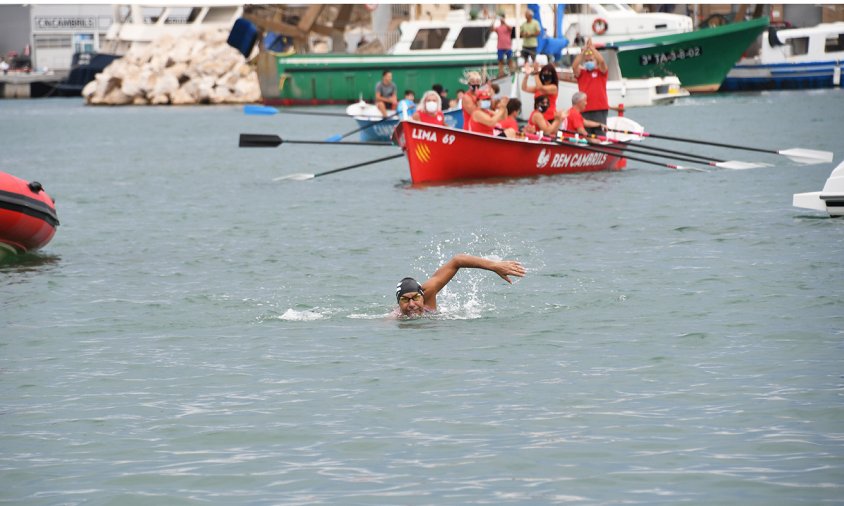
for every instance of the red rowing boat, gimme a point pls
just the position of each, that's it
(440, 154)
(27, 215)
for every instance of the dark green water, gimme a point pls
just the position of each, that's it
(196, 333)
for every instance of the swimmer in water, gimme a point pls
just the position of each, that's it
(415, 299)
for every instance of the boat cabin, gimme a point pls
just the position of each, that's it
(456, 34)
(817, 43)
(615, 22)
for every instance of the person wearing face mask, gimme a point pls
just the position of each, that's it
(470, 98)
(546, 83)
(590, 70)
(484, 119)
(537, 124)
(430, 109)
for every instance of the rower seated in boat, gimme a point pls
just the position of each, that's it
(385, 93)
(430, 109)
(416, 299)
(537, 124)
(575, 122)
(509, 127)
(484, 119)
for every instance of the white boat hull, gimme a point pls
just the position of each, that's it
(629, 92)
(830, 199)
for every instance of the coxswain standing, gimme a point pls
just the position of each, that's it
(591, 71)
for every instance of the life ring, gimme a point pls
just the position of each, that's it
(599, 26)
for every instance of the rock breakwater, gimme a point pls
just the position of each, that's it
(199, 67)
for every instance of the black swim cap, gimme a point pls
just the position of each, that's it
(408, 285)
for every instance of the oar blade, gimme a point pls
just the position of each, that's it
(259, 110)
(300, 176)
(334, 138)
(259, 141)
(624, 129)
(807, 156)
(739, 165)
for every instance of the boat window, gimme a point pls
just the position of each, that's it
(429, 38)
(178, 16)
(834, 43)
(611, 7)
(472, 37)
(799, 45)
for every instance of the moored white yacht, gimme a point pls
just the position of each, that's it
(613, 22)
(140, 24)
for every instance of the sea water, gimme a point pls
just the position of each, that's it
(197, 333)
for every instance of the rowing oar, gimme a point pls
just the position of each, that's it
(338, 137)
(271, 141)
(303, 177)
(799, 155)
(679, 155)
(622, 155)
(263, 110)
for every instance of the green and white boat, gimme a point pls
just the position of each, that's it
(700, 59)
(428, 53)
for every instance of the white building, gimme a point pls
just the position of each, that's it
(53, 32)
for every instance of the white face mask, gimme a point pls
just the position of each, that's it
(431, 107)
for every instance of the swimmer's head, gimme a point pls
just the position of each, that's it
(410, 296)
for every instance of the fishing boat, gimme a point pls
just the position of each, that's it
(830, 199)
(28, 218)
(438, 154)
(376, 128)
(795, 58)
(700, 59)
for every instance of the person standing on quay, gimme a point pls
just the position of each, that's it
(529, 31)
(591, 71)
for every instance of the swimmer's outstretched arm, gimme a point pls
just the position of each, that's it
(504, 268)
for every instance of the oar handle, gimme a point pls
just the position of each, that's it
(345, 143)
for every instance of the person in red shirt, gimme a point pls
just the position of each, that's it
(430, 109)
(590, 69)
(546, 82)
(509, 127)
(537, 124)
(484, 118)
(470, 101)
(576, 122)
